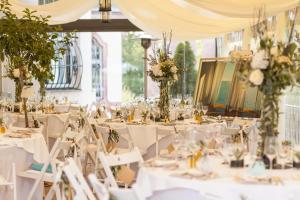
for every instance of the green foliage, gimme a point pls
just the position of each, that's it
(184, 52)
(29, 44)
(132, 58)
(278, 67)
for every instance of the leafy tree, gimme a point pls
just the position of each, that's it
(27, 45)
(184, 52)
(132, 57)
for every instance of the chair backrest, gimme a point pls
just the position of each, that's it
(12, 182)
(161, 133)
(77, 181)
(176, 194)
(99, 188)
(108, 161)
(56, 126)
(59, 146)
(230, 131)
(155, 149)
(125, 140)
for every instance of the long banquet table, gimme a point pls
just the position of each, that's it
(227, 184)
(144, 135)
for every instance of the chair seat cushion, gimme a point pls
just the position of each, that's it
(33, 174)
(39, 166)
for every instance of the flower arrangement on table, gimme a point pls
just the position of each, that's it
(273, 68)
(164, 71)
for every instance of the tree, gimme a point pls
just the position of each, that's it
(184, 57)
(132, 58)
(27, 45)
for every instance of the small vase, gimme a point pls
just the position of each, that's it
(164, 99)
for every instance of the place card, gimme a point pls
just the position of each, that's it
(125, 175)
(170, 148)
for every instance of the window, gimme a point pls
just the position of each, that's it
(67, 70)
(97, 68)
(42, 2)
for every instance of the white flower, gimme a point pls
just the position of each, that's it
(175, 77)
(28, 75)
(259, 60)
(270, 34)
(16, 73)
(156, 70)
(274, 51)
(256, 77)
(174, 69)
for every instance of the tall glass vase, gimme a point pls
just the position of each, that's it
(269, 117)
(164, 99)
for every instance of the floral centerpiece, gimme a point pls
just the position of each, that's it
(164, 71)
(271, 69)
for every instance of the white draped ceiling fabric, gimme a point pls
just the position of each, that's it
(188, 19)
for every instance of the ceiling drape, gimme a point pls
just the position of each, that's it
(243, 8)
(61, 11)
(188, 19)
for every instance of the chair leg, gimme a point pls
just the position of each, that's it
(14, 177)
(85, 162)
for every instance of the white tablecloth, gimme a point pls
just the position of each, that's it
(35, 145)
(145, 135)
(23, 152)
(223, 187)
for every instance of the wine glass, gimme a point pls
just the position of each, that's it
(176, 143)
(204, 109)
(284, 153)
(227, 149)
(270, 149)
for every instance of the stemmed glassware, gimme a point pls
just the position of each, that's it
(176, 143)
(284, 153)
(270, 149)
(204, 109)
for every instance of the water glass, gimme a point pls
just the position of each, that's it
(270, 148)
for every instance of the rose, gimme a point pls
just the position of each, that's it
(274, 51)
(256, 77)
(175, 77)
(283, 59)
(156, 70)
(260, 60)
(16, 73)
(174, 69)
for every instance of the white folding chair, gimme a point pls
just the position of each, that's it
(95, 143)
(125, 143)
(176, 194)
(99, 188)
(155, 149)
(109, 161)
(117, 193)
(39, 176)
(233, 131)
(161, 133)
(81, 190)
(55, 127)
(13, 183)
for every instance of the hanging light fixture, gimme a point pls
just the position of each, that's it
(105, 9)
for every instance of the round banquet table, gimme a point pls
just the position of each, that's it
(223, 187)
(23, 152)
(144, 135)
